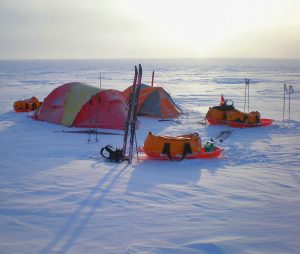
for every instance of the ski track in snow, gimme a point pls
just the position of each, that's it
(59, 196)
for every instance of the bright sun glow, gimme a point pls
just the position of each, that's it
(156, 28)
(212, 28)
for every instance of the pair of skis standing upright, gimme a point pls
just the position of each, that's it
(130, 124)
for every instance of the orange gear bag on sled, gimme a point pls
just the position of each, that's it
(27, 105)
(226, 113)
(177, 148)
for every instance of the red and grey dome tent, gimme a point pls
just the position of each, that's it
(155, 102)
(80, 105)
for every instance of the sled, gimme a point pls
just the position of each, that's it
(200, 155)
(227, 114)
(261, 123)
(176, 148)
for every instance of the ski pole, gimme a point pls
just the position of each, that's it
(129, 113)
(283, 110)
(134, 114)
(291, 90)
(245, 96)
(136, 147)
(152, 81)
(289, 105)
(248, 84)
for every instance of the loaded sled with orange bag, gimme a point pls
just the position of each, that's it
(27, 105)
(178, 148)
(226, 113)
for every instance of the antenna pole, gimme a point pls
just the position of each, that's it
(152, 78)
(100, 79)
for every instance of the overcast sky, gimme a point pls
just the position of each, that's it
(42, 29)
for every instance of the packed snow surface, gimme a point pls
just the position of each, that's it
(58, 195)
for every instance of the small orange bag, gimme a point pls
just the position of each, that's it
(27, 105)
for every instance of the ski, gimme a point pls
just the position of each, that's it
(170, 120)
(223, 135)
(129, 113)
(134, 114)
(90, 132)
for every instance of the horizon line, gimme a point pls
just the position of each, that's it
(150, 58)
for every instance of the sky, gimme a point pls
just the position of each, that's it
(82, 29)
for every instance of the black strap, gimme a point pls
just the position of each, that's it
(257, 118)
(223, 108)
(108, 149)
(167, 150)
(186, 150)
(113, 155)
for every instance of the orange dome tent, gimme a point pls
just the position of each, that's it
(80, 105)
(155, 102)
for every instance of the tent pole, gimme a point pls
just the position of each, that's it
(98, 120)
(97, 129)
(100, 79)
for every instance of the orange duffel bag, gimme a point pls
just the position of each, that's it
(30, 104)
(176, 148)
